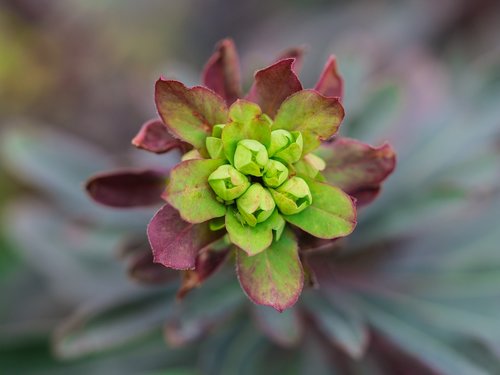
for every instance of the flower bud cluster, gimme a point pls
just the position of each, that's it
(259, 179)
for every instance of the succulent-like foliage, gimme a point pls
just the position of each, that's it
(412, 289)
(252, 172)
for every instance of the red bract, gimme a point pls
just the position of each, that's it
(183, 231)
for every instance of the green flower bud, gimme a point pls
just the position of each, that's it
(293, 196)
(275, 174)
(215, 148)
(286, 145)
(228, 183)
(217, 130)
(250, 157)
(256, 205)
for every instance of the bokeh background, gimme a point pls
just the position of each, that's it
(76, 83)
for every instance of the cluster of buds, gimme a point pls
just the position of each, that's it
(255, 173)
(260, 178)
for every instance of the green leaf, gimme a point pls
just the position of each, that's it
(110, 324)
(247, 122)
(204, 307)
(189, 113)
(190, 193)
(236, 348)
(274, 277)
(315, 116)
(424, 345)
(380, 106)
(343, 328)
(255, 239)
(286, 328)
(332, 213)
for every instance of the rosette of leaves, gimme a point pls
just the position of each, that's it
(414, 288)
(250, 178)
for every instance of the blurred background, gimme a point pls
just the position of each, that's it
(76, 83)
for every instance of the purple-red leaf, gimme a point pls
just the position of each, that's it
(191, 113)
(142, 268)
(207, 263)
(154, 137)
(175, 242)
(222, 72)
(357, 168)
(273, 85)
(127, 188)
(296, 53)
(330, 82)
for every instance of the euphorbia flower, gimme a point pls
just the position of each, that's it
(257, 174)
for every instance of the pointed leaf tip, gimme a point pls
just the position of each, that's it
(330, 82)
(296, 53)
(222, 71)
(154, 137)
(273, 85)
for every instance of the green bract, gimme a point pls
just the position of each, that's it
(228, 183)
(275, 174)
(286, 145)
(259, 174)
(293, 196)
(251, 169)
(250, 157)
(256, 205)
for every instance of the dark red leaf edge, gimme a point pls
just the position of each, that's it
(127, 188)
(222, 71)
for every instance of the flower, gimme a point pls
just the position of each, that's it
(228, 183)
(256, 172)
(293, 196)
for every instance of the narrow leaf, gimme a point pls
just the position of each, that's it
(342, 328)
(213, 303)
(274, 277)
(421, 344)
(107, 325)
(127, 188)
(142, 268)
(207, 263)
(284, 328)
(314, 115)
